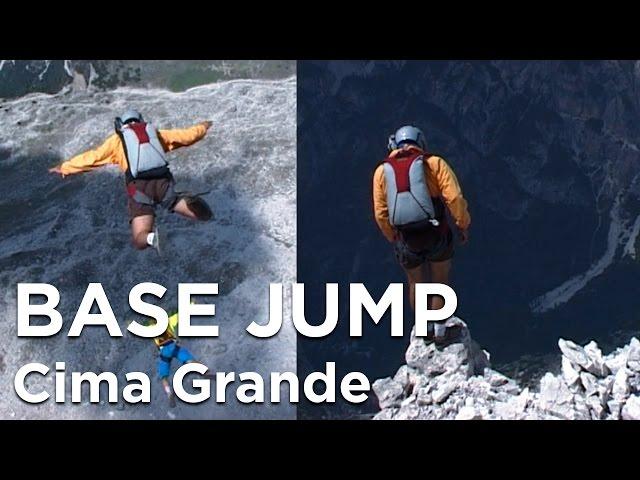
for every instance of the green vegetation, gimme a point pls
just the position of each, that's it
(192, 78)
(180, 75)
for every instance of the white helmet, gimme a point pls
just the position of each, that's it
(407, 134)
(131, 115)
(128, 116)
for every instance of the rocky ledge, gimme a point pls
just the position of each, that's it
(454, 381)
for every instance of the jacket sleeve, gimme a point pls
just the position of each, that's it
(103, 155)
(451, 193)
(182, 137)
(380, 207)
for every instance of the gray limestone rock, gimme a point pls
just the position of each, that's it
(596, 407)
(575, 354)
(589, 383)
(454, 381)
(570, 374)
(633, 359)
(598, 366)
(631, 409)
(621, 389)
(468, 413)
(442, 392)
(389, 392)
(553, 391)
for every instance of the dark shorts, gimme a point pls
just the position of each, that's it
(167, 353)
(159, 191)
(433, 244)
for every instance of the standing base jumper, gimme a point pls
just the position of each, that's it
(411, 189)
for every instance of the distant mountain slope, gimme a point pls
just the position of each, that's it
(19, 77)
(547, 153)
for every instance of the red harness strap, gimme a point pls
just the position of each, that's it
(140, 129)
(401, 164)
(138, 196)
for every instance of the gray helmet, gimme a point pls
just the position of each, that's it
(131, 115)
(406, 134)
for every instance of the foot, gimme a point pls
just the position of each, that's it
(172, 400)
(200, 208)
(437, 332)
(445, 331)
(158, 240)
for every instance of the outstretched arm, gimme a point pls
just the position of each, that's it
(103, 155)
(183, 137)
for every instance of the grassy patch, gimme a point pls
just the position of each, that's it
(192, 78)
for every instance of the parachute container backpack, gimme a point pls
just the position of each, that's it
(145, 155)
(408, 199)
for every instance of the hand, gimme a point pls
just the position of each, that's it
(56, 170)
(206, 124)
(464, 236)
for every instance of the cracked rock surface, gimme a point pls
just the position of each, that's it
(454, 380)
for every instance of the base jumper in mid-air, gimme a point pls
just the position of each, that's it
(139, 149)
(169, 348)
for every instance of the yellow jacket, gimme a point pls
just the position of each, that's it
(170, 334)
(441, 181)
(112, 150)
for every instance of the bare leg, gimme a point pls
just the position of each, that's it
(166, 386)
(439, 273)
(182, 208)
(141, 227)
(415, 275)
(169, 392)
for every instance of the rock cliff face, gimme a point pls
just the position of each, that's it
(454, 381)
(74, 231)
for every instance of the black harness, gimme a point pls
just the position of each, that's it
(176, 349)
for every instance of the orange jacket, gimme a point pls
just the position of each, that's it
(112, 150)
(441, 181)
